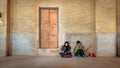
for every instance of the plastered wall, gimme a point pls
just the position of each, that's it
(106, 27)
(93, 22)
(76, 22)
(3, 9)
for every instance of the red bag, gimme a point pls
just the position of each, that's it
(93, 54)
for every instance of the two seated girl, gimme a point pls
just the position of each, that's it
(79, 50)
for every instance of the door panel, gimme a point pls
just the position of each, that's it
(53, 28)
(48, 28)
(44, 28)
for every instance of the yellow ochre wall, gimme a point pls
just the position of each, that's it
(93, 22)
(3, 28)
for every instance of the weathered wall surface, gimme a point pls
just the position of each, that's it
(79, 22)
(3, 9)
(24, 27)
(76, 21)
(106, 27)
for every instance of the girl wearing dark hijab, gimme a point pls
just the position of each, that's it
(65, 50)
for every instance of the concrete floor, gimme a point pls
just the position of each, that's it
(57, 62)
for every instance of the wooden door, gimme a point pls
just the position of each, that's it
(48, 27)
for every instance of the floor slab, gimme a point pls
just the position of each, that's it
(57, 62)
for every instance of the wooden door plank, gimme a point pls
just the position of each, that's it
(53, 28)
(44, 28)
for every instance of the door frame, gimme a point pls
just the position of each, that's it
(40, 26)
